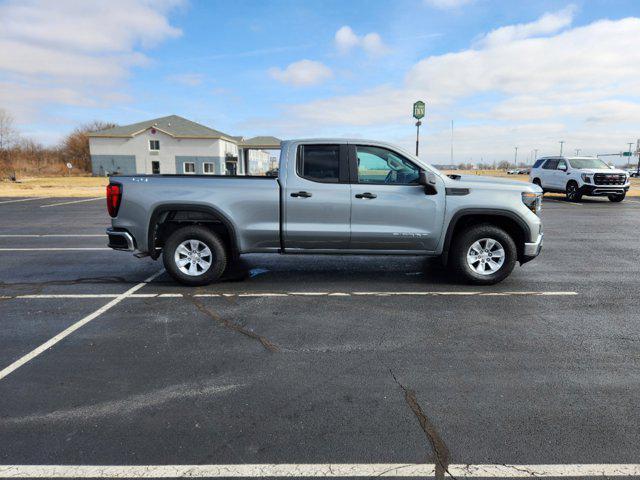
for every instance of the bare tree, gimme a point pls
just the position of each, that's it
(75, 147)
(8, 133)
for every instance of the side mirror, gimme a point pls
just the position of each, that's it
(428, 181)
(563, 168)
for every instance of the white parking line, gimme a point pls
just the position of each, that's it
(23, 200)
(44, 235)
(287, 294)
(69, 203)
(68, 331)
(318, 470)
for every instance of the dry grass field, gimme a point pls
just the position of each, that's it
(74, 186)
(87, 186)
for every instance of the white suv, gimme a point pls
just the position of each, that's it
(578, 176)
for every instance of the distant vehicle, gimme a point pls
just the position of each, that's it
(331, 196)
(512, 172)
(524, 171)
(633, 173)
(578, 176)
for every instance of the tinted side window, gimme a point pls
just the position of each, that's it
(320, 163)
(562, 164)
(538, 163)
(551, 164)
(379, 165)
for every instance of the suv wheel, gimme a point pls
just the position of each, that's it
(617, 197)
(573, 192)
(194, 255)
(483, 255)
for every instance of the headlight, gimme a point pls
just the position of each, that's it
(533, 201)
(586, 178)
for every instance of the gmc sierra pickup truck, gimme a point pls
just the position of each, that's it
(332, 196)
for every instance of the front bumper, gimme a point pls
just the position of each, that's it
(121, 240)
(597, 190)
(532, 250)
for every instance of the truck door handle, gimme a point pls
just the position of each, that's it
(301, 194)
(366, 195)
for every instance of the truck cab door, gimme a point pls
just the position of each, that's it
(317, 198)
(548, 173)
(389, 208)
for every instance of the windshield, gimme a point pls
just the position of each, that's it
(580, 163)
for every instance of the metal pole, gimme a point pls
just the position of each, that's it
(451, 142)
(578, 151)
(535, 155)
(629, 157)
(561, 145)
(515, 158)
(418, 123)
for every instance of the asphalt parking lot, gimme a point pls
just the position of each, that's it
(319, 365)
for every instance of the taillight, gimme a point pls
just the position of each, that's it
(114, 195)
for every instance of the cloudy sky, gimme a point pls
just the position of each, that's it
(508, 74)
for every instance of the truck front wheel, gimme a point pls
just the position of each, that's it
(483, 254)
(194, 255)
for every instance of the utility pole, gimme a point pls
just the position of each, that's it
(515, 158)
(629, 157)
(561, 145)
(578, 151)
(535, 154)
(638, 152)
(451, 142)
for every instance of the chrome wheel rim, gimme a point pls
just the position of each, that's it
(193, 257)
(485, 256)
(571, 191)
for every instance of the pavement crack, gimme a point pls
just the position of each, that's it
(266, 343)
(440, 449)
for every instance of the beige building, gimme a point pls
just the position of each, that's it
(176, 145)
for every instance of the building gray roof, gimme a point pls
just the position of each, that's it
(173, 125)
(260, 142)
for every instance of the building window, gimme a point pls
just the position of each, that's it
(208, 168)
(154, 145)
(189, 167)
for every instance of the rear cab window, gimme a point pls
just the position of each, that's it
(551, 164)
(322, 163)
(538, 163)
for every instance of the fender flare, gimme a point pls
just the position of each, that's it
(194, 207)
(491, 212)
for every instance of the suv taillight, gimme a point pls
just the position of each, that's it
(114, 195)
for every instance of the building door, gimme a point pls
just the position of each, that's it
(155, 167)
(231, 167)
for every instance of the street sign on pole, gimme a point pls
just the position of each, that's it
(419, 109)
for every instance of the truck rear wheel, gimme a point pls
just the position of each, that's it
(194, 255)
(483, 255)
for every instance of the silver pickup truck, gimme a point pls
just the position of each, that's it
(332, 196)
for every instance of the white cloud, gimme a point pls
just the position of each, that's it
(578, 83)
(75, 53)
(187, 79)
(545, 25)
(346, 40)
(447, 4)
(302, 73)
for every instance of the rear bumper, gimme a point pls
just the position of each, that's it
(121, 240)
(532, 250)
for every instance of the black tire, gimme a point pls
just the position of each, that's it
(462, 244)
(572, 192)
(218, 257)
(617, 197)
